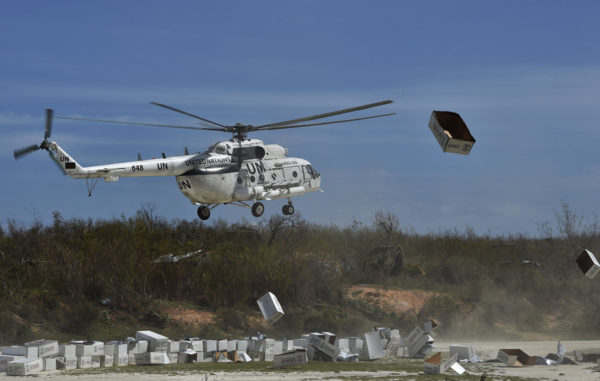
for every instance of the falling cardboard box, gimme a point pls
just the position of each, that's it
(270, 307)
(451, 132)
(588, 264)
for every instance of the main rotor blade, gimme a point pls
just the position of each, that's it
(18, 153)
(322, 123)
(325, 115)
(141, 124)
(49, 114)
(186, 113)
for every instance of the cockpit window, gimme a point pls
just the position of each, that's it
(220, 149)
(311, 172)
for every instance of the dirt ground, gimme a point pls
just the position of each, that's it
(486, 350)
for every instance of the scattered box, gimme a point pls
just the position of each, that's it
(107, 361)
(324, 346)
(588, 264)
(89, 348)
(156, 341)
(66, 363)
(435, 365)
(49, 363)
(451, 132)
(151, 358)
(270, 307)
(290, 358)
(120, 350)
(464, 352)
(140, 346)
(373, 349)
(121, 359)
(67, 350)
(24, 367)
(515, 357)
(19, 350)
(222, 345)
(84, 362)
(173, 346)
(5, 359)
(210, 346)
(45, 348)
(96, 361)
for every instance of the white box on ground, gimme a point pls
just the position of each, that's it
(151, 358)
(5, 359)
(140, 346)
(109, 349)
(231, 345)
(588, 264)
(451, 132)
(49, 363)
(222, 345)
(96, 361)
(120, 350)
(46, 348)
(435, 365)
(373, 346)
(242, 345)
(84, 362)
(122, 359)
(20, 350)
(173, 347)
(290, 358)
(464, 352)
(210, 346)
(301, 343)
(156, 341)
(66, 363)
(270, 307)
(324, 347)
(24, 367)
(107, 361)
(90, 348)
(67, 350)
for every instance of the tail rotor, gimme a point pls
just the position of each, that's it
(18, 153)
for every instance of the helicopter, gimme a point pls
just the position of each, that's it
(232, 172)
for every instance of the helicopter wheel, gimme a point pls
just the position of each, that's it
(258, 209)
(288, 209)
(203, 212)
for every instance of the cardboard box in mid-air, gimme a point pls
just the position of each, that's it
(451, 132)
(270, 307)
(588, 264)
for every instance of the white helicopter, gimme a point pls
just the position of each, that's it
(234, 172)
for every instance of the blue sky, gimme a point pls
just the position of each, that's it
(524, 75)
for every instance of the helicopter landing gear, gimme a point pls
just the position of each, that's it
(288, 209)
(203, 212)
(258, 209)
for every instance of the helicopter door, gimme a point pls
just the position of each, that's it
(293, 174)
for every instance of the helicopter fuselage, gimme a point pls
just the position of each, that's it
(227, 172)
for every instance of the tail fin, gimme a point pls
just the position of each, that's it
(66, 162)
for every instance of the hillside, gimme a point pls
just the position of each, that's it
(106, 279)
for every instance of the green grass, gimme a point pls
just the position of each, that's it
(403, 369)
